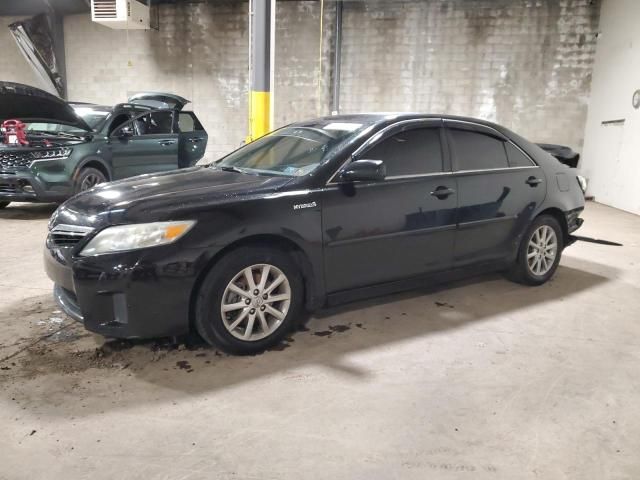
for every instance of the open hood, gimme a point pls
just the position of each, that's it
(158, 100)
(32, 105)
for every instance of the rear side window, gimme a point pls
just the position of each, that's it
(477, 151)
(516, 157)
(187, 122)
(411, 152)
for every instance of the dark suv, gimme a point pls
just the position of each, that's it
(316, 213)
(74, 146)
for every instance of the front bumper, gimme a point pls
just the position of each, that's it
(25, 186)
(142, 294)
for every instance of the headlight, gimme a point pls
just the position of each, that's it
(139, 235)
(582, 182)
(51, 154)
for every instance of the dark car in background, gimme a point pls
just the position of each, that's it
(73, 146)
(316, 213)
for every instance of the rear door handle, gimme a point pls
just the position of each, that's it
(442, 192)
(165, 143)
(533, 181)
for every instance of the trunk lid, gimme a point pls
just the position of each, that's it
(158, 100)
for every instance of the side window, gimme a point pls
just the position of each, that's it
(477, 151)
(187, 122)
(516, 157)
(154, 123)
(117, 122)
(411, 152)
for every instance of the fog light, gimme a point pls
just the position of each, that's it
(28, 189)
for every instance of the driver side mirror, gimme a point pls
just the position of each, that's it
(125, 132)
(364, 170)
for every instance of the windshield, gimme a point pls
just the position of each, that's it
(91, 115)
(292, 151)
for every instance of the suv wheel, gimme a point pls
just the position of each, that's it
(249, 301)
(4, 204)
(539, 253)
(88, 178)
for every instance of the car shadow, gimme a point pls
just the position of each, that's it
(154, 371)
(28, 211)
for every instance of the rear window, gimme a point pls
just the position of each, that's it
(187, 122)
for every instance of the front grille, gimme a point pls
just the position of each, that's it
(67, 235)
(14, 159)
(8, 188)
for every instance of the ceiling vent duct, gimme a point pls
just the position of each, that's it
(120, 14)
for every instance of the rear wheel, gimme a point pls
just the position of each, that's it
(4, 204)
(89, 178)
(539, 253)
(249, 301)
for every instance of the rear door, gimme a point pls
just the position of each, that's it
(499, 187)
(375, 232)
(192, 139)
(153, 147)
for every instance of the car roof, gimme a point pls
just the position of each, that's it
(384, 117)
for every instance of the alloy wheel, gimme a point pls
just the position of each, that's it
(90, 181)
(542, 250)
(255, 302)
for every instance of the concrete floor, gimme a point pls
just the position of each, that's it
(481, 379)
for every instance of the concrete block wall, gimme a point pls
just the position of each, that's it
(525, 64)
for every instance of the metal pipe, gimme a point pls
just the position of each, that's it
(335, 101)
(261, 68)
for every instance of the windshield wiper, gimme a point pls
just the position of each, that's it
(53, 134)
(230, 168)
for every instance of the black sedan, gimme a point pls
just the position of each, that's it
(313, 214)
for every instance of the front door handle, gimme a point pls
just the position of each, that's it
(196, 139)
(165, 143)
(442, 192)
(533, 181)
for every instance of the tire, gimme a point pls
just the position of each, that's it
(88, 178)
(4, 205)
(532, 267)
(234, 331)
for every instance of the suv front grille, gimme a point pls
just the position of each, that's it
(14, 159)
(67, 235)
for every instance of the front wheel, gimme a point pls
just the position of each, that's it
(88, 178)
(250, 300)
(539, 253)
(4, 204)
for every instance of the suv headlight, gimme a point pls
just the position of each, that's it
(582, 182)
(51, 154)
(139, 235)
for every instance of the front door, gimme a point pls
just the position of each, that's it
(153, 147)
(499, 187)
(375, 232)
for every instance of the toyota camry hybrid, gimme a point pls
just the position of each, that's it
(314, 214)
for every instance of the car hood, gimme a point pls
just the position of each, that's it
(163, 196)
(30, 104)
